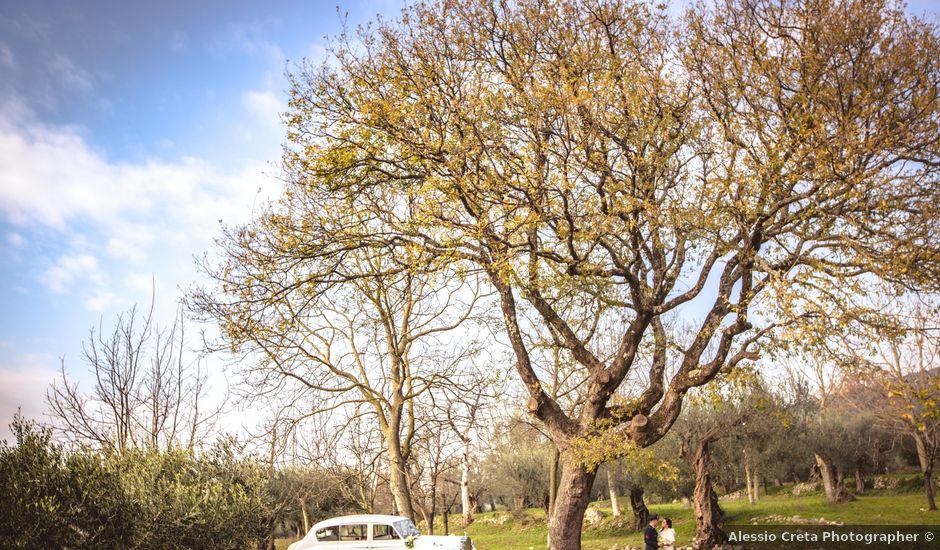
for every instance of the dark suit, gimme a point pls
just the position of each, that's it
(651, 538)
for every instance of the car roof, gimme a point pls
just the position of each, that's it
(359, 518)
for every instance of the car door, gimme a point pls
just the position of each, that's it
(382, 536)
(353, 536)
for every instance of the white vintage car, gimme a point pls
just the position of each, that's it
(375, 532)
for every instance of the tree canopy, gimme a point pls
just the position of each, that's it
(751, 167)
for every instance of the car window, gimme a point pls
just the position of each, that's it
(328, 533)
(406, 529)
(356, 531)
(382, 531)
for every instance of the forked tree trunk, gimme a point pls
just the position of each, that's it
(574, 495)
(926, 468)
(833, 481)
(612, 490)
(641, 513)
(708, 514)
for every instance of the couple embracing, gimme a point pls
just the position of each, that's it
(664, 537)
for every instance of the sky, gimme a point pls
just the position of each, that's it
(129, 131)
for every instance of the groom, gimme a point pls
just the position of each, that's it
(650, 535)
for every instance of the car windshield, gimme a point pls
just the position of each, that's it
(406, 529)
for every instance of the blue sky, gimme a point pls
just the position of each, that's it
(127, 131)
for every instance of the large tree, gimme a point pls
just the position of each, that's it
(747, 167)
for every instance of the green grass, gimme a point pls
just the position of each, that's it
(508, 531)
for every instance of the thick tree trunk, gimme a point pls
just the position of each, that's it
(641, 513)
(612, 490)
(708, 514)
(574, 495)
(926, 468)
(833, 481)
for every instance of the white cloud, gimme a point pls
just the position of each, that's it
(130, 241)
(72, 268)
(49, 176)
(265, 108)
(101, 300)
(142, 284)
(263, 105)
(121, 217)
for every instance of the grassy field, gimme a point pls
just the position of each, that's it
(508, 531)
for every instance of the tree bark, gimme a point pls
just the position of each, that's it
(708, 513)
(926, 468)
(398, 478)
(612, 490)
(833, 481)
(573, 497)
(929, 489)
(553, 480)
(641, 513)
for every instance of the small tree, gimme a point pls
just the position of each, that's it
(147, 393)
(352, 332)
